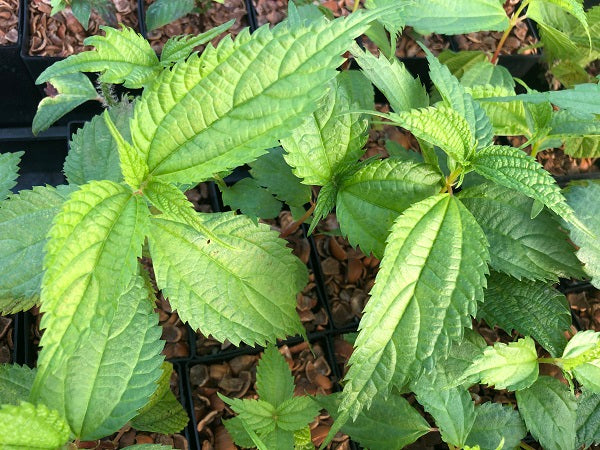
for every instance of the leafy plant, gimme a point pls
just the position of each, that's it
(82, 10)
(162, 12)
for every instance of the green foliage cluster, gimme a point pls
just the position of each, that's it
(467, 228)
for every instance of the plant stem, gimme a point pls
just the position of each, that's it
(524, 446)
(535, 148)
(450, 179)
(514, 20)
(294, 226)
(548, 360)
(356, 5)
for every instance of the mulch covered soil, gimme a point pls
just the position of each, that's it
(9, 22)
(6, 339)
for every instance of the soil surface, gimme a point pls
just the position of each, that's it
(62, 35)
(9, 22)
(195, 23)
(6, 339)
(236, 378)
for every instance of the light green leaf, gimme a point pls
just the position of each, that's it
(432, 276)
(256, 415)
(496, 424)
(485, 73)
(582, 357)
(365, 209)
(274, 381)
(585, 147)
(325, 204)
(31, 427)
(248, 278)
(178, 48)
(565, 124)
(215, 117)
(163, 413)
(25, 220)
(303, 439)
(15, 383)
(520, 246)
(573, 7)
(512, 168)
(133, 166)
(359, 88)
(272, 172)
(549, 410)
(122, 56)
(460, 357)
(393, 79)
(109, 372)
(162, 12)
(9, 171)
(508, 119)
(297, 412)
(93, 153)
(389, 424)
(251, 199)
(583, 198)
(328, 140)
(73, 89)
(238, 432)
(442, 126)
(531, 308)
(588, 419)
(459, 62)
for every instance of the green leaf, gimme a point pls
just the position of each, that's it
(205, 125)
(459, 62)
(582, 357)
(15, 383)
(432, 276)
(512, 168)
(274, 381)
(508, 119)
(442, 126)
(248, 278)
(238, 432)
(588, 419)
(531, 308)
(549, 410)
(485, 73)
(133, 166)
(393, 79)
(460, 357)
(566, 124)
(513, 366)
(359, 87)
(25, 220)
(162, 12)
(456, 98)
(297, 412)
(583, 198)
(256, 415)
(573, 7)
(365, 209)
(520, 246)
(163, 413)
(122, 56)
(495, 423)
(251, 199)
(32, 427)
(9, 171)
(73, 89)
(102, 379)
(583, 147)
(389, 424)
(82, 10)
(178, 48)
(272, 172)
(325, 204)
(329, 139)
(93, 153)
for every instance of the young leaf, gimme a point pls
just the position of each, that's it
(583, 198)
(297, 412)
(162, 12)
(15, 383)
(251, 199)
(274, 381)
(583, 147)
(431, 278)
(272, 172)
(365, 209)
(508, 119)
(93, 153)
(582, 357)
(573, 7)
(442, 126)
(325, 204)
(329, 139)
(390, 424)
(588, 419)
(513, 366)
(73, 89)
(9, 171)
(485, 73)
(494, 424)
(459, 62)
(32, 427)
(520, 246)
(549, 410)
(123, 56)
(220, 125)
(163, 413)
(178, 48)
(531, 308)
(246, 262)
(393, 79)
(256, 415)
(103, 377)
(25, 219)
(512, 168)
